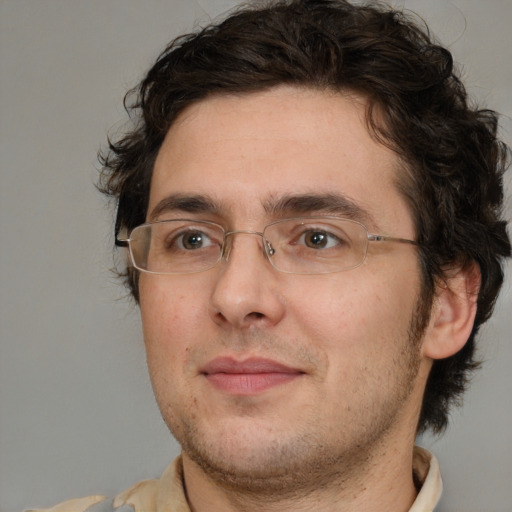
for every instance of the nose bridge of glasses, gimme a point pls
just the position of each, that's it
(228, 242)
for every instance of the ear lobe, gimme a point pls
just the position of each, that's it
(453, 312)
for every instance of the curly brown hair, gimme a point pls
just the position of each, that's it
(417, 105)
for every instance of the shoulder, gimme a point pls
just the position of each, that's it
(140, 496)
(75, 505)
(164, 493)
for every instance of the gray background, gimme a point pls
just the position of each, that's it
(77, 414)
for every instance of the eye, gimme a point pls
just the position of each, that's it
(192, 240)
(319, 239)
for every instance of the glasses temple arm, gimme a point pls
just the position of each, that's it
(120, 242)
(385, 238)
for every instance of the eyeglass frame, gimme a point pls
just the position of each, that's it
(268, 249)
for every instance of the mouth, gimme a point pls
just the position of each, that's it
(248, 377)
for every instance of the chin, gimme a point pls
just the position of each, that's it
(261, 460)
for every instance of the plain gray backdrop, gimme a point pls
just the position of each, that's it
(77, 414)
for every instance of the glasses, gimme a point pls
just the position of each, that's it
(302, 245)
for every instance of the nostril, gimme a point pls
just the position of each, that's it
(255, 314)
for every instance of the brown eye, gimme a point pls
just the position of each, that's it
(316, 239)
(194, 240)
(319, 239)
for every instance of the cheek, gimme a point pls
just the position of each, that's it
(351, 312)
(171, 314)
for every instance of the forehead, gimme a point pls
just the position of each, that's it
(243, 151)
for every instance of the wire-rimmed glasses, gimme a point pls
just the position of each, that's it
(300, 245)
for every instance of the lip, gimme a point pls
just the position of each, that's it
(249, 376)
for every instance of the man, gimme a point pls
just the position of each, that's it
(312, 213)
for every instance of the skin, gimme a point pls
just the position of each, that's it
(339, 433)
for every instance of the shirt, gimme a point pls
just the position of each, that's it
(167, 494)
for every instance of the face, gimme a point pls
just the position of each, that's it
(267, 376)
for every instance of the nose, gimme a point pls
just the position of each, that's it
(245, 291)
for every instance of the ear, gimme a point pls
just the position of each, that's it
(453, 312)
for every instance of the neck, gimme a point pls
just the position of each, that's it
(385, 483)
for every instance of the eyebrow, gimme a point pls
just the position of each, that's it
(276, 206)
(310, 204)
(187, 203)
